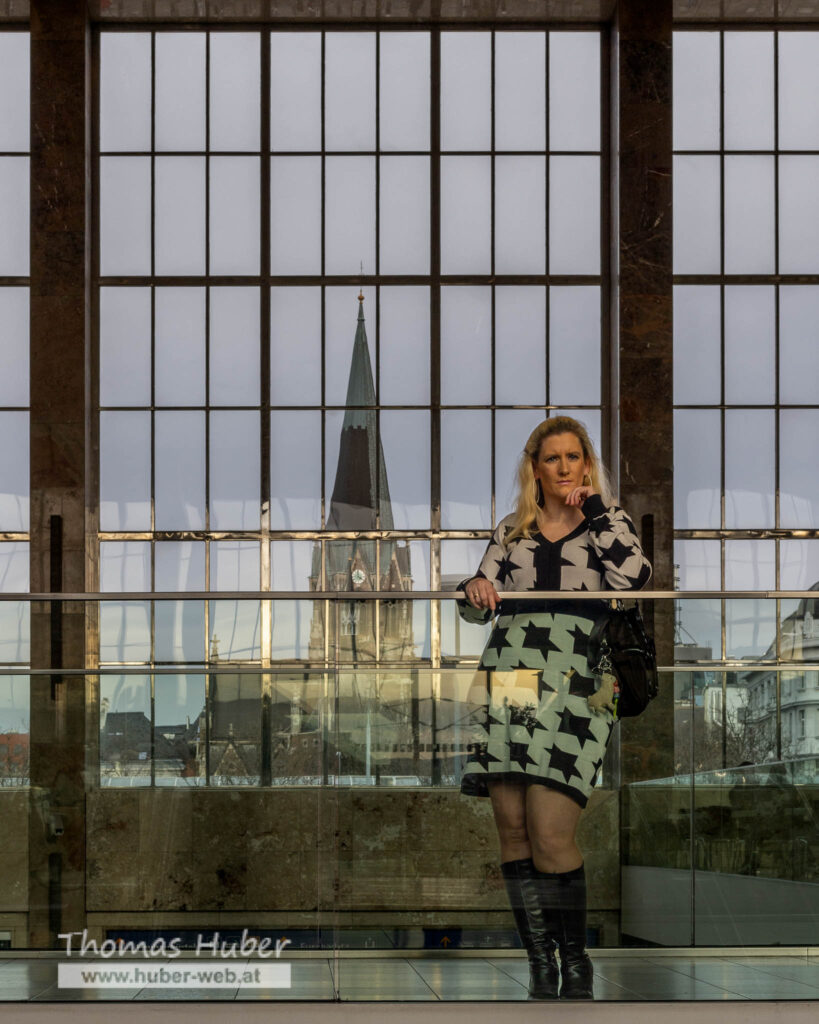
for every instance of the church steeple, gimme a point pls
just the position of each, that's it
(361, 475)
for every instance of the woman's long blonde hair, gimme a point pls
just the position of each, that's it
(526, 505)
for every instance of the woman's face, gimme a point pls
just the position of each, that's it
(560, 465)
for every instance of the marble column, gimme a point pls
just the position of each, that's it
(58, 456)
(642, 143)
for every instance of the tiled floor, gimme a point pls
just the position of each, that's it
(619, 977)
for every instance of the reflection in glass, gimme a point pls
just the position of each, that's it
(465, 214)
(14, 216)
(234, 215)
(466, 345)
(349, 224)
(235, 453)
(298, 754)
(125, 88)
(520, 346)
(404, 96)
(574, 345)
(466, 484)
(14, 337)
(459, 561)
(15, 720)
(295, 346)
(295, 90)
(750, 626)
(234, 631)
(750, 443)
(234, 565)
(179, 470)
(179, 709)
(798, 564)
(798, 343)
(750, 565)
(749, 214)
(404, 213)
(234, 346)
(125, 631)
(798, 214)
(180, 90)
(179, 212)
(798, 54)
(295, 470)
(697, 369)
(696, 469)
(466, 90)
(125, 471)
(798, 489)
(574, 90)
(125, 346)
(349, 91)
(14, 615)
(574, 215)
(520, 215)
(520, 90)
(235, 97)
(749, 90)
(126, 731)
(179, 631)
(696, 215)
(698, 624)
(405, 439)
(294, 565)
(696, 90)
(235, 729)
(179, 565)
(404, 346)
(295, 215)
(125, 565)
(179, 346)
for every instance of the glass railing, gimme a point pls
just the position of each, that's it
(300, 781)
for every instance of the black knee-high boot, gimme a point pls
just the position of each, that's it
(576, 971)
(524, 897)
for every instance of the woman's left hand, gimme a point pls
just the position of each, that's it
(579, 495)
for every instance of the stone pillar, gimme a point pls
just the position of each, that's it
(59, 346)
(641, 102)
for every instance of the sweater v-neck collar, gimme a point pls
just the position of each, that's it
(561, 540)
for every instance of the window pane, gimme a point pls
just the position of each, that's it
(295, 470)
(349, 228)
(295, 90)
(14, 340)
(696, 215)
(341, 324)
(749, 468)
(179, 468)
(404, 355)
(179, 355)
(750, 564)
(234, 215)
(798, 80)
(799, 564)
(699, 566)
(179, 228)
(574, 90)
(179, 565)
(798, 214)
(465, 214)
(180, 90)
(696, 469)
(750, 628)
(749, 90)
(798, 343)
(405, 440)
(125, 566)
(696, 90)
(125, 632)
(125, 346)
(234, 346)
(574, 346)
(404, 98)
(14, 615)
(750, 334)
(512, 428)
(125, 88)
(14, 216)
(125, 471)
(125, 215)
(295, 346)
(180, 632)
(749, 214)
(349, 91)
(520, 90)
(295, 215)
(520, 215)
(465, 487)
(235, 90)
(125, 730)
(574, 215)
(459, 561)
(404, 226)
(235, 633)
(234, 565)
(181, 699)
(466, 345)
(697, 369)
(520, 346)
(466, 90)
(235, 470)
(798, 487)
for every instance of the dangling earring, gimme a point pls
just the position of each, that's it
(586, 480)
(538, 493)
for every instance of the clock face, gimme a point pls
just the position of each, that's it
(358, 577)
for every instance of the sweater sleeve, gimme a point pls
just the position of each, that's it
(493, 559)
(617, 545)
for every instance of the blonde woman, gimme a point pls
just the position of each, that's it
(540, 744)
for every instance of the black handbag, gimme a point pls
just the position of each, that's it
(619, 643)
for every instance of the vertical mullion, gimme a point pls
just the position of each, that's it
(435, 337)
(547, 158)
(208, 681)
(723, 610)
(265, 609)
(492, 213)
(607, 241)
(777, 603)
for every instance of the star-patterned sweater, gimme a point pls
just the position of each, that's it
(602, 553)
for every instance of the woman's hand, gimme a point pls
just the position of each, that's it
(481, 594)
(579, 495)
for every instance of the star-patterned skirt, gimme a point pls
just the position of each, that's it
(535, 722)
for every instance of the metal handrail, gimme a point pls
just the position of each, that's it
(407, 595)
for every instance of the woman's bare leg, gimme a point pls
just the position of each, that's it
(509, 807)
(551, 821)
